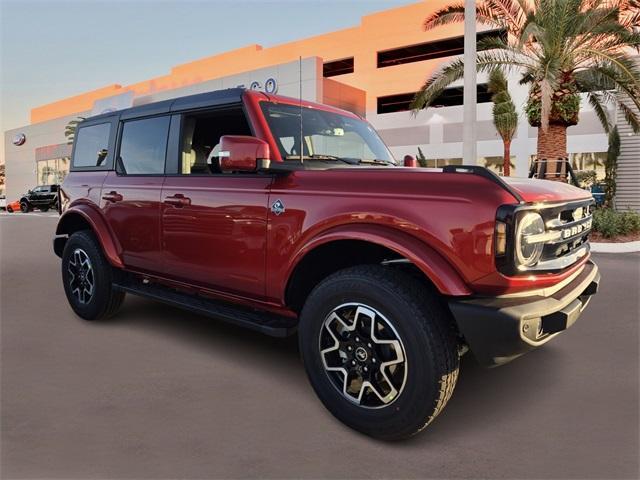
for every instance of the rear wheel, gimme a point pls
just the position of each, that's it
(9, 209)
(379, 349)
(88, 278)
(44, 208)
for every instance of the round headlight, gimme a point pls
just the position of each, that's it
(527, 252)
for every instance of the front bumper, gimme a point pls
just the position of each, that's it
(499, 329)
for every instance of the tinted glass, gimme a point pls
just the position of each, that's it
(91, 145)
(143, 147)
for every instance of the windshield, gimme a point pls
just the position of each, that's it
(327, 135)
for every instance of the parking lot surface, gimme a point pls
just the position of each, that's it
(161, 393)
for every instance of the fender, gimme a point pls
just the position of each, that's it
(93, 216)
(437, 269)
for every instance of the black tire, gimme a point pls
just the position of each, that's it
(44, 208)
(25, 207)
(428, 340)
(104, 300)
(9, 209)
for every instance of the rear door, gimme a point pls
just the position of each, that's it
(48, 194)
(131, 194)
(213, 224)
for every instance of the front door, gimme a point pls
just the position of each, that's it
(214, 224)
(214, 231)
(131, 195)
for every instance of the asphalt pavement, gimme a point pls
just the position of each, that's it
(161, 393)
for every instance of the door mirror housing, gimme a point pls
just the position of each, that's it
(241, 153)
(410, 161)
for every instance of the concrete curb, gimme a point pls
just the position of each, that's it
(627, 247)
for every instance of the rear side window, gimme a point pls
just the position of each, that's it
(144, 145)
(92, 145)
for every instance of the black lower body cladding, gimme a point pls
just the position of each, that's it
(499, 329)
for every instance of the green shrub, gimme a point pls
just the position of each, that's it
(611, 223)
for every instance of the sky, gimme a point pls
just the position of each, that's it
(52, 49)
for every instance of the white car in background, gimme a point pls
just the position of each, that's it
(3, 202)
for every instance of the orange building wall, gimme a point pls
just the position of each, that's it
(379, 31)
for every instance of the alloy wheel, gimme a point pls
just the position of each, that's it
(81, 276)
(363, 355)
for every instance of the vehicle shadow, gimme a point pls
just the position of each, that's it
(214, 337)
(482, 398)
(486, 397)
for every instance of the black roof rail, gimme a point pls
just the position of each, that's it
(483, 172)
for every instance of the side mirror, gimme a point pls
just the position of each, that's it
(410, 161)
(240, 153)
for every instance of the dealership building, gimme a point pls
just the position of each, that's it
(373, 69)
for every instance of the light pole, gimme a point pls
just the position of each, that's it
(469, 131)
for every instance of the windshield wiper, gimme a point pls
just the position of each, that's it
(376, 161)
(349, 160)
(318, 156)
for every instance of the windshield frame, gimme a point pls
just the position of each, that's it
(280, 154)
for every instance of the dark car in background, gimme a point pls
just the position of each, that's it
(42, 197)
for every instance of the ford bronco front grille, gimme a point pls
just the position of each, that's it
(568, 227)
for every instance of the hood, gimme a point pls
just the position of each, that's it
(534, 190)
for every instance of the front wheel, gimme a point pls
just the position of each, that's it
(88, 278)
(379, 350)
(24, 207)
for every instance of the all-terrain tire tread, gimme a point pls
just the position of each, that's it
(114, 297)
(433, 318)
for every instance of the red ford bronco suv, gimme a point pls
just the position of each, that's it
(286, 216)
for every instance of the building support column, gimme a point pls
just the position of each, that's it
(469, 131)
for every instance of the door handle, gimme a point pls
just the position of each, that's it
(178, 200)
(112, 197)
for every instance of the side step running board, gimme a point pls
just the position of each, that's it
(264, 322)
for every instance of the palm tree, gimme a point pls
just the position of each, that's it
(505, 117)
(560, 48)
(611, 167)
(70, 129)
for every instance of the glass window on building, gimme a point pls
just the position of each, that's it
(52, 171)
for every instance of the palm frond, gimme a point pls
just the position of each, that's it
(595, 100)
(453, 13)
(454, 71)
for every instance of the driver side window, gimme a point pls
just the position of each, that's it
(200, 139)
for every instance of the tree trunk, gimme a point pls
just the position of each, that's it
(552, 146)
(506, 164)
